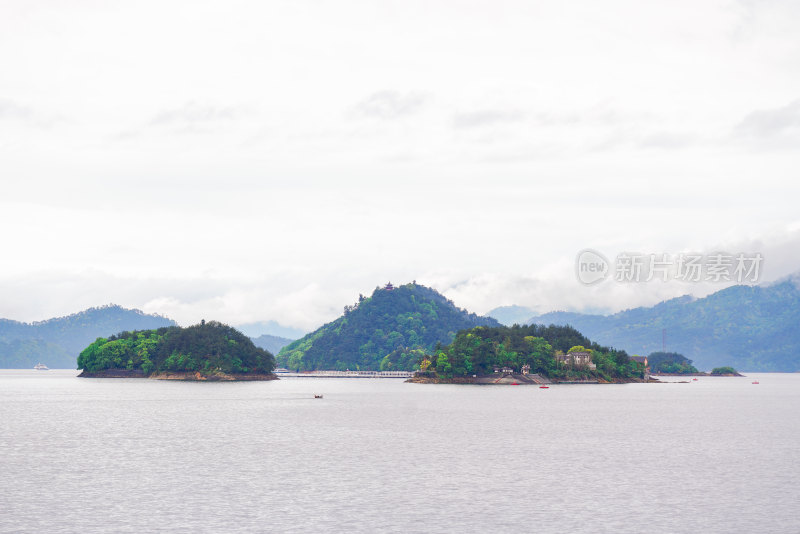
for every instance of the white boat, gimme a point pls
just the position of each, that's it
(41, 367)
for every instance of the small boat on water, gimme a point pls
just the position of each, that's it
(544, 387)
(41, 367)
(694, 379)
(317, 396)
(755, 382)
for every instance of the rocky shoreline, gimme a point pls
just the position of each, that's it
(437, 380)
(521, 380)
(681, 374)
(649, 380)
(697, 374)
(216, 376)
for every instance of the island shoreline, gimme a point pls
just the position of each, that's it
(186, 376)
(521, 380)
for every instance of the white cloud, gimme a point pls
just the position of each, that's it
(12, 110)
(194, 113)
(555, 287)
(783, 120)
(668, 140)
(389, 105)
(344, 145)
(488, 117)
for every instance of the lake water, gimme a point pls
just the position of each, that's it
(380, 455)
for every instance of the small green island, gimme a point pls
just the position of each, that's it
(672, 363)
(676, 364)
(725, 371)
(534, 354)
(206, 351)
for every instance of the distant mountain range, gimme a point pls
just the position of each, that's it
(273, 344)
(271, 328)
(381, 332)
(58, 342)
(511, 315)
(752, 328)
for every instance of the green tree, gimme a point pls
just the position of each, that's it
(443, 366)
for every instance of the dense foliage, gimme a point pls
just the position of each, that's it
(57, 342)
(724, 371)
(206, 347)
(479, 350)
(670, 363)
(381, 332)
(748, 327)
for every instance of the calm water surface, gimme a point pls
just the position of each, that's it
(380, 455)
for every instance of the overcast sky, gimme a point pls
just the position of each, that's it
(251, 161)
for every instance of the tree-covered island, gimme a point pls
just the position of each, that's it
(671, 363)
(725, 371)
(535, 353)
(206, 351)
(388, 331)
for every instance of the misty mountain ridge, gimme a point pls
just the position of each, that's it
(270, 328)
(752, 328)
(510, 315)
(273, 344)
(58, 341)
